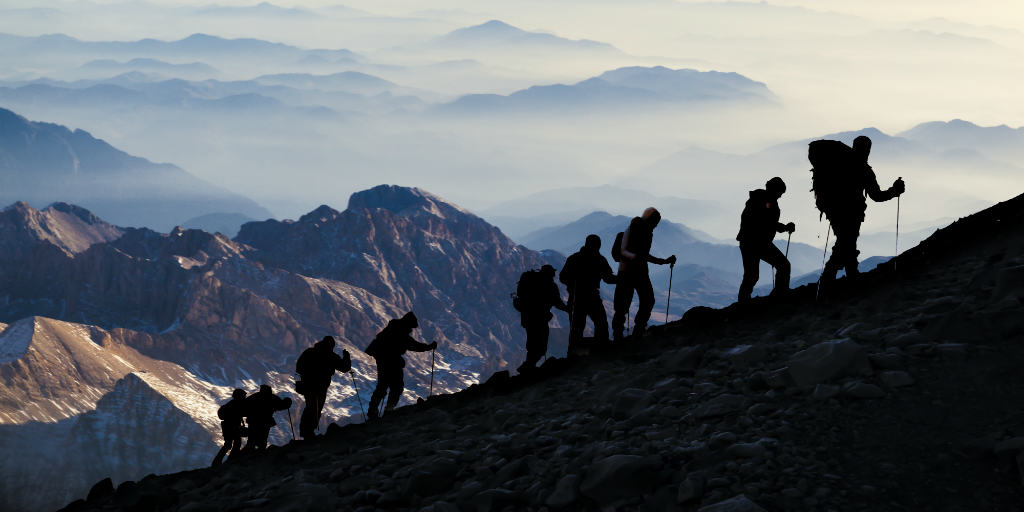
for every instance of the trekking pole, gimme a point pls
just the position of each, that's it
(351, 373)
(817, 293)
(668, 302)
(291, 425)
(897, 233)
(432, 353)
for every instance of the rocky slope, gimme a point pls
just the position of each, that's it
(902, 394)
(98, 314)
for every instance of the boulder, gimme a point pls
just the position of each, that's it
(745, 356)
(896, 379)
(858, 389)
(690, 489)
(721, 405)
(566, 492)
(629, 401)
(620, 476)
(735, 504)
(828, 360)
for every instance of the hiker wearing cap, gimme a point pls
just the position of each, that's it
(387, 349)
(634, 253)
(582, 275)
(758, 224)
(842, 180)
(316, 367)
(232, 426)
(536, 294)
(259, 414)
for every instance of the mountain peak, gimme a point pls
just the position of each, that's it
(322, 213)
(398, 199)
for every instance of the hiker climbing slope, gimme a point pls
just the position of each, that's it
(536, 294)
(259, 414)
(582, 275)
(231, 426)
(634, 252)
(758, 224)
(842, 179)
(316, 367)
(387, 349)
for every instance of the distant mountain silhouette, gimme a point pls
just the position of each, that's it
(501, 35)
(42, 163)
(628, 87)
(198, 46)
(343, 81)
(153, 65)
(1001, 142)
(262, 9)
(227, 224)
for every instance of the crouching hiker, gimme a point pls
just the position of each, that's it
(316, 367)
(387, 349)
(758, 224)
(259, 414)
(231, 426)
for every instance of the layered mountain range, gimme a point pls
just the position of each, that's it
(42, 162)
(122, 341)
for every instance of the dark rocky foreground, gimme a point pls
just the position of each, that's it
(904, 394)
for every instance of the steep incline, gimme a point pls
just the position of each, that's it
(901, 395)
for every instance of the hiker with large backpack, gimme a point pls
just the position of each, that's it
(387, 349)
(536, 293)
(582, 275)
(259, 414)
(232, 426)
(316, 367)
(842, 179)
(633, 252)
(758, 224)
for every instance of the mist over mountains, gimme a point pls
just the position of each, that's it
(41, 163)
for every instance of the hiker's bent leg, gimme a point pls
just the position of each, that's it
(751, 262)
(645, 291)
(579, 318)
(308, 420)
(396, 386)
(774, 257)
(378, 393)
(595, 310)
(623, 297)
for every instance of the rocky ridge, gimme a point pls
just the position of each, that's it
(190, 315)
(902, 394)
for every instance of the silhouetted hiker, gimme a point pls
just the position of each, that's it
(633, 253)
(231, 426)
(316, 367)
(536, 294)
(582, 275)
(842, 178)
(387, 349)
(259, 414)
(758, 224)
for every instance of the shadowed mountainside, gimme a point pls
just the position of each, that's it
(901, 394)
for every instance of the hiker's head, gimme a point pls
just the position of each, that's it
(862, 147)
(410, 320)
(548, 271)
(593, 242)
(238, 393)
(327, 343)
(652, 216)
(775, 186)
(265, 389)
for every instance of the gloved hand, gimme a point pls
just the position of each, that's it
(899, 187)
(433, 346)
(791, 227)
(345, 354)
(671, 260)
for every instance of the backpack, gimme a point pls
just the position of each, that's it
(617, 246)
(830, 172)
(528, 289)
